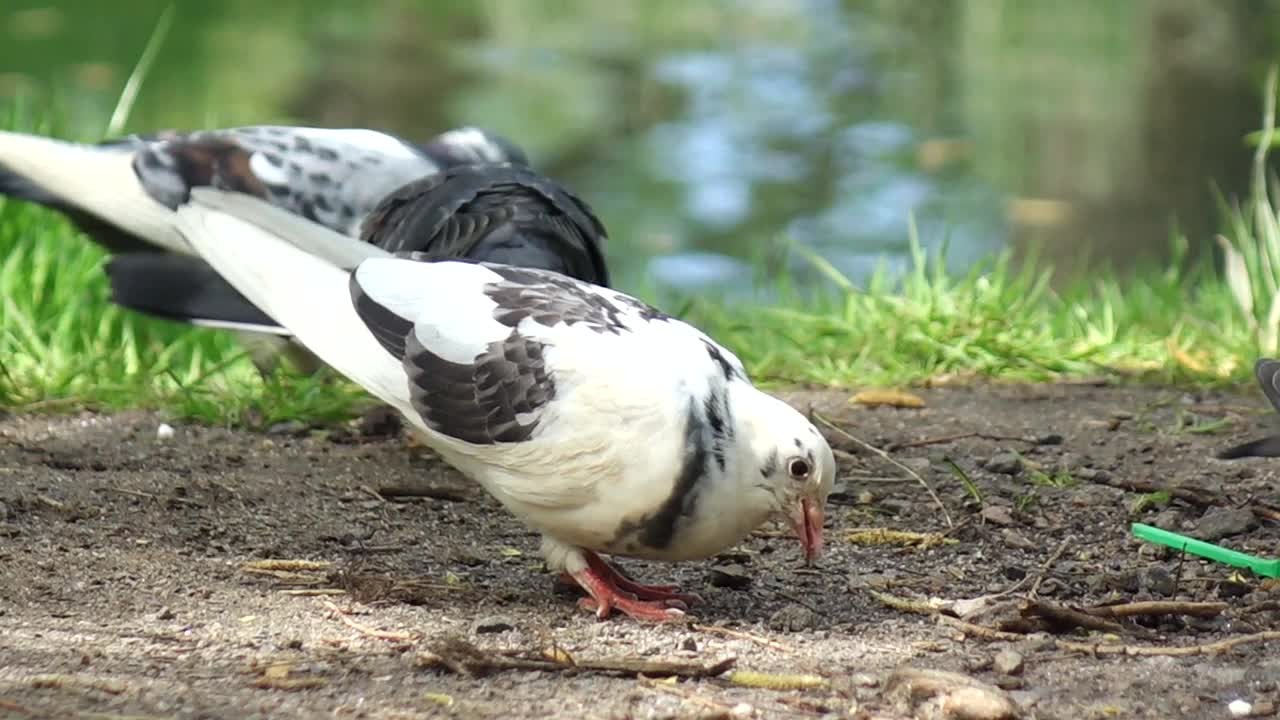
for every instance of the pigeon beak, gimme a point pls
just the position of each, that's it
(806, 520)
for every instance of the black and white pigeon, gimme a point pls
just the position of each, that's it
(604, 424)
(1267, 370)
(122, 193)
(332, 176)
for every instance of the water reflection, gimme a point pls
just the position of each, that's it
(711, 135)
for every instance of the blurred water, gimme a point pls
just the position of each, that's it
(711, 136)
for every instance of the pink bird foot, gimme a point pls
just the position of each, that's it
(609, 590)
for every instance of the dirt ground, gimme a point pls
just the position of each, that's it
(127, 587)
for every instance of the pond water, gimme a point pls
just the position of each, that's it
(716, 137)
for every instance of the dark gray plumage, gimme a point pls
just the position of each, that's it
(1267, 371)
(498, 213)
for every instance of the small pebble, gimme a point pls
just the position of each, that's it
(897, 506)
(1167, 520)
(1240, 708)
(1126, 582)
(1092, 475)
(381, 421)
(1017, 540)
(1095, 495)
(1050, 586)
(864, 680)
(1010, 682)
(793, 618)
(1223, 523)
(288, 427)
(492, 624)
(1232, 589)
(1013, 572)
(1026, 698)
(1005, 463)
(164, 431)
(1160, 581)
(689, 644)
(1008, 662)
(919, 464)
(729, 576)
(997, 515)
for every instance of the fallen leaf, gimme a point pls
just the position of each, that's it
(892, 398)
(885, 536)
(558, 655)
(1183, 358)
(438, 698)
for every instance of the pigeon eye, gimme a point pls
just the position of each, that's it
(798, 468)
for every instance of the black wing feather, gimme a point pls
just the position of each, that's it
(388, 328)
(496, 213)
(495, 398)
(178, 287)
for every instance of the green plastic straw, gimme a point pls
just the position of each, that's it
(1265, 568)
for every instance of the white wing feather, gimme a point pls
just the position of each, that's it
(100, 181)
(304, 293)
(335, 248)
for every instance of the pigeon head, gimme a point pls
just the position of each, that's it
(470, 145)
(796, 467)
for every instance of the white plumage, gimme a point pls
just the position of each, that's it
(599, 421)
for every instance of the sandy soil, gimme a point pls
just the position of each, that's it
(126, 587)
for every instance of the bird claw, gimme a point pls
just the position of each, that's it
(609, 590)
(647, 611)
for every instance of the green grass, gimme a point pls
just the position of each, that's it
(62, 345)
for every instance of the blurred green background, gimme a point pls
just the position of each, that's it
(708, 135)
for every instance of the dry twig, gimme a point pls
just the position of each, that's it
(776, 681)
(911, 605)
(464, 658)
(684, 693)
(389, 635)
(291, 565)
(1047, 564)
(889, 459)
(743, 635)
(1061, 615)
(1198, 497)
(1213, 648)
(1158, 607)
(960, 436)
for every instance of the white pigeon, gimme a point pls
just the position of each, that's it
(599, 421)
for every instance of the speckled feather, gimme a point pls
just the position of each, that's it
(333, 177)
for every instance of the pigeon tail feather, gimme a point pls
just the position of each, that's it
(310, 297)
(90, 183)
(185, 289)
